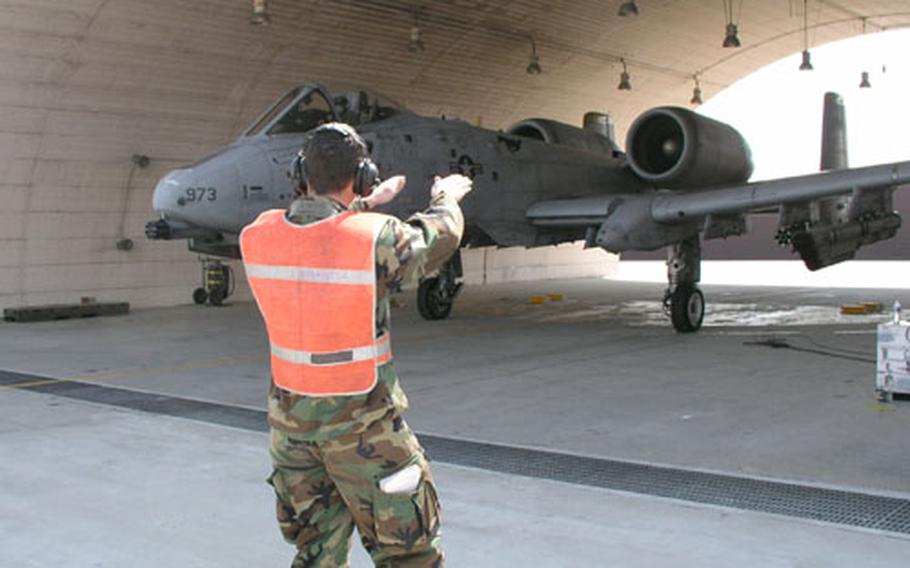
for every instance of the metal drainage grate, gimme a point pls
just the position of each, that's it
(789, 499)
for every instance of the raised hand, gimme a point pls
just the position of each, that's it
(385, 191)
(455, 185)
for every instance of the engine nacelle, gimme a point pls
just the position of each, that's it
(554, 132)
(675, 148)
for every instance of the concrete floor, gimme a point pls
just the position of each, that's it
(599, 373)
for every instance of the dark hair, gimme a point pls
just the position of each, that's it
(332, 153)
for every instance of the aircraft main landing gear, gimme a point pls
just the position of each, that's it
(683, 301)
(437, 294)
(217, 283)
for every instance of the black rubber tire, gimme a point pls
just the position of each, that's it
(432, 302)
(687, 309)
(217, 296)
(200, 296)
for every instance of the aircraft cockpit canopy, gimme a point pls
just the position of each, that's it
(306, 107)
(360, 106)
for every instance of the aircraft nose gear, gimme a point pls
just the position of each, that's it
(217, 283)
(684, 302)
(436, 295)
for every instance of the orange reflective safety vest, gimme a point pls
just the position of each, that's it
(316, 288)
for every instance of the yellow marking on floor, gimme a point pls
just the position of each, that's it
(27, 384)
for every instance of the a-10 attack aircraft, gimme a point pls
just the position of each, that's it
(683, 178)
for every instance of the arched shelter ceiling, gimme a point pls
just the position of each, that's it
(201, 59)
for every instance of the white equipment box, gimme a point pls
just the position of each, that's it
(893, 370)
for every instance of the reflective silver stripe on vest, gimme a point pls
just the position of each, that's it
(301, 274)
(335, 358)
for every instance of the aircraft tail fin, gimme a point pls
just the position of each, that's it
(834, 134)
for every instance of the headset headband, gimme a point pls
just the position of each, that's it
(366, 173)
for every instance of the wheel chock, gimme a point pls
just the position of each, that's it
(861, 309)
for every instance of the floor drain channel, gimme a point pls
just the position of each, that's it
(850, 508)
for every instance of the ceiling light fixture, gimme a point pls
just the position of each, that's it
(864, 76)
(806, 65)
(628, 9)
(625, 83)
(534, 63)
(415, 43)
(696, 92)
(260, 16)
(731, 39)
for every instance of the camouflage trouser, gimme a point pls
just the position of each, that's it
(323, 490)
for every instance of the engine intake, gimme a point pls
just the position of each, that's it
(674, 148)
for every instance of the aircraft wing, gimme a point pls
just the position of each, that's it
(826, 217)
(749, 197)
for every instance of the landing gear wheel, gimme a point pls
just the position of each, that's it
(200, 296)
(217, 296)
(434, 302)
(687, 308)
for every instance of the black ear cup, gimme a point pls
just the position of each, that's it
(366, 177)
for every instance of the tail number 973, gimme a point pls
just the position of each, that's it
(196, 194)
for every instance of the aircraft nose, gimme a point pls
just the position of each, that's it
(166, 198)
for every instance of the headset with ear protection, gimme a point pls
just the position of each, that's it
(366, 174)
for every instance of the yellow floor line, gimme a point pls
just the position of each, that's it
(28, 384)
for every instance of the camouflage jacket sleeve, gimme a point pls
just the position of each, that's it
(408, 250)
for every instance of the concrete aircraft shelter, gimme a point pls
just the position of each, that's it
(568, 423)
(88, 84)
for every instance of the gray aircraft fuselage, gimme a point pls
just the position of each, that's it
(219, 195)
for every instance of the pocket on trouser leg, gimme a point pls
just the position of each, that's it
(284, 510)
(407, 520)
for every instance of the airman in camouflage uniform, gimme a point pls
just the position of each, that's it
(333, 456)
